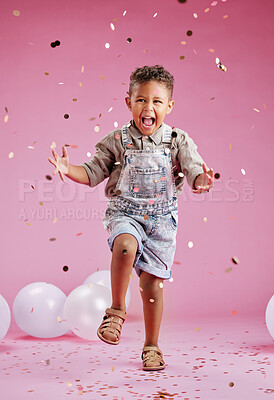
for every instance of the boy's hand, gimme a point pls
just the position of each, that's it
(204, 182)
(61, 163)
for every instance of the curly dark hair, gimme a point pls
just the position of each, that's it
(151, 73)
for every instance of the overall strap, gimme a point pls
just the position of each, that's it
(125, 136)
(167, 134)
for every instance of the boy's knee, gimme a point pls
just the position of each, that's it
(125, 244)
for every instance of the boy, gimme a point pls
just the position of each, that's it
(146, 162)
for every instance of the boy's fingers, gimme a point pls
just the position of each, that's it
(65, 152)
(52, 161)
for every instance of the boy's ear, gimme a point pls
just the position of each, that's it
(128, 103)
(170, 106)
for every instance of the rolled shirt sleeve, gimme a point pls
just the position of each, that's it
(101, 164)
(190, 160)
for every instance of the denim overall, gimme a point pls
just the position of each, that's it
(146, 205)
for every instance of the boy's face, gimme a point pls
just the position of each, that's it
(149, 104)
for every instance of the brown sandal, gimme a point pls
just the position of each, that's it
(152, 358)
(110, 329)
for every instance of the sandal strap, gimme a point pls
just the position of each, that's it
(117, 313)
(152, 348)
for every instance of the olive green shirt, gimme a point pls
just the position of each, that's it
(108, 160)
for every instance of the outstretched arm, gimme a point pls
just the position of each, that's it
(76, 173)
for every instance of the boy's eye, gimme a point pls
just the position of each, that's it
(157, 101)
(141, 100)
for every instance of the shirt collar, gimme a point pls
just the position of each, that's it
(156, 137)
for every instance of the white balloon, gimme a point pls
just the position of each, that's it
(269, 316)
(38, 310)
(103, 278)
(5, 317)
(84, 309)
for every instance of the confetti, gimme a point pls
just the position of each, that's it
(66, 116)
(11, 154)
(231, 384)
(230, 146)
(115, 124)
(124, 13)
(69, 384)
(88, 154)
(181, 175)
(183, 42)
(131, 276)
(151, 201)
(110, 109)
(74, 99)
(234, 312)
(220, 65)
(206, 10)
(48, 177)
(256, 109)
(59, 319)
(117, 163)
(235, 260)
(79, 234)
(129, 40)
(212, 98)
(151, 300)
(214, 3)
(197, 329)
(96, 128)
(112, 26)
(47, 73)
(228, 269)
(124, 251)
(171, 279)
(182, 57)
(118, 192)
(189, 33)
(225, 16)
(217, 175)
(146, 217)
(52, 239)
(161, 285)
(195, 15)
(155, 15)
(80, 84)
(53, 145)
(211, 50)
(190, 244)
(82, 69)
(107, 45)
(16, 13)
(6, 118)
(141, 289)
(205, 219)
(136, 190)
(242, 171)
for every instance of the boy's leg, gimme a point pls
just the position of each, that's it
(123, 255)
(151, 288)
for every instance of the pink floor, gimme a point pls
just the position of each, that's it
(206, 359)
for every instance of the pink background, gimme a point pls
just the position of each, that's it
(238, 209)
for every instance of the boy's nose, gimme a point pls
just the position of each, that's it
(148, 106)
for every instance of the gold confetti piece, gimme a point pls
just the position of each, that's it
(182, 57)
(55, 220)
(59, 319)
(53, 145)
(206, 10)
(161, 285)
(6, 118)
(155, 15)
(102, 77)
(146, 217)
(69, 384)
(183, 42)
(190, 244)
(74, 99)
(82, 69)
(256, 109)
(234, 312)
(11, 154)
(48, 362)
(264, 106)
(205, 219)
(231, 384)
(141, 289)
(236, 260)
(211, 50)
(228, 269)
(6, 109)
(112, 26)
(118, 192)
(28, 224)
(41, 203)
(112, 369)
(107, 45)
(212, 98)
(16, 13)
(47, 73)
(197, 329)
(97, 128)
(151, 300)
(225, 16)
(110, 109)
(195, 15)
(92, 119)
(52, 239)
(131, 275)
(230, 146)
(80, 84)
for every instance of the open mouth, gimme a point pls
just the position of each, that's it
(148, 121)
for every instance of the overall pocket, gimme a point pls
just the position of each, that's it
(147, 182)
